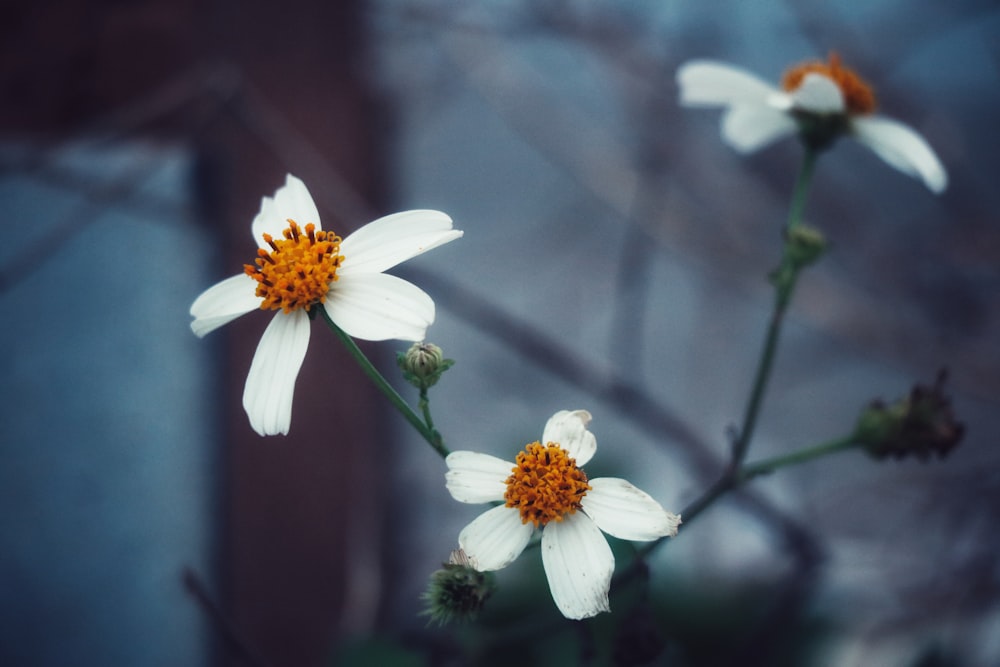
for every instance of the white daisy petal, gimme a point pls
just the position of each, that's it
(903, 148)
(377, 306)
(267, 397)
(476, 478)
(291, 201)
(749, 128)
(294, 201)
(267, 221)
(819, 94)
(578, 565)
(223, 302)
(384, 243)
(620, 509)
(568, 429)
(710, 83)
(495, 538)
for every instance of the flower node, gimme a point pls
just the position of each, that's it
(545, 485)
(858, 95)
(296, 273)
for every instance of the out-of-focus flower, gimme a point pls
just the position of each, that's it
(919, 424)
(821, 101)
(300, 266)
(547, 489)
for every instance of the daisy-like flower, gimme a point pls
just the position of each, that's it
(820, 101)
(298, 267)
(547, 490)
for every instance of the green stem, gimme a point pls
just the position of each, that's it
(744, 474)
(801, 188)
(784, 281)
(426, 431)
(767, 466)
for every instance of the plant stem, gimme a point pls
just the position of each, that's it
(784, 282)
(767, 466)
(425, 430)
(730, 481)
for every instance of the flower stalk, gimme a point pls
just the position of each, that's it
(784, 280)
(768, 466)
(426, 431)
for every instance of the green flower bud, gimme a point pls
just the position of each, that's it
(921, 423)
(423, 364)
(457, 592)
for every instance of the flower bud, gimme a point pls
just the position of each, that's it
(921, 423)
(457, 592)
(423, 364)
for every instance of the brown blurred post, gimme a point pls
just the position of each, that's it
(242, 83)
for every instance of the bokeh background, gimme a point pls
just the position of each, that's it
(614, 259)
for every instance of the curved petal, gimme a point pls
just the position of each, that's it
(376, 306)
(819, 94)
(223, 302)
(901, 147)
(291, 201)
(495, 538)
(620, 509)
(384, 243)
(711, 83)
(578, 564)
(749, 128)
(568, 429)
(267, 396)
(476, 478)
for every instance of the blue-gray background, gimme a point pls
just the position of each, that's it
(601, 218)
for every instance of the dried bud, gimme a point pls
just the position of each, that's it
(920, 424)
(457, 592)
(423, 364)
(804, 245)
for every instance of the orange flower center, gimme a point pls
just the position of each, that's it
(545, 485)
(297, 271)
(858, 95)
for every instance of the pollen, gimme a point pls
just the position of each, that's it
(858, 95)
(545, 484)
(297, 271)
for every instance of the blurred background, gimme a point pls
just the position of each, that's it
(615, 259)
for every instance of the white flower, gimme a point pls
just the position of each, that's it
(544, 489)
(298, 266)
(818, 100)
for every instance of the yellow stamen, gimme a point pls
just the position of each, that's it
(545, 485)
(858, 95)
(298, 270)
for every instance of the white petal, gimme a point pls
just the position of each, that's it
(819, 94)
(901, 147)
(386, 242)
(376, 306)
(749, 128)
(568, 429)
(495, 538)
(628, 513)
(267, 396)
(476, 478)
(292, 201)
(223, 302)
(709, 83)
(578, 564)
